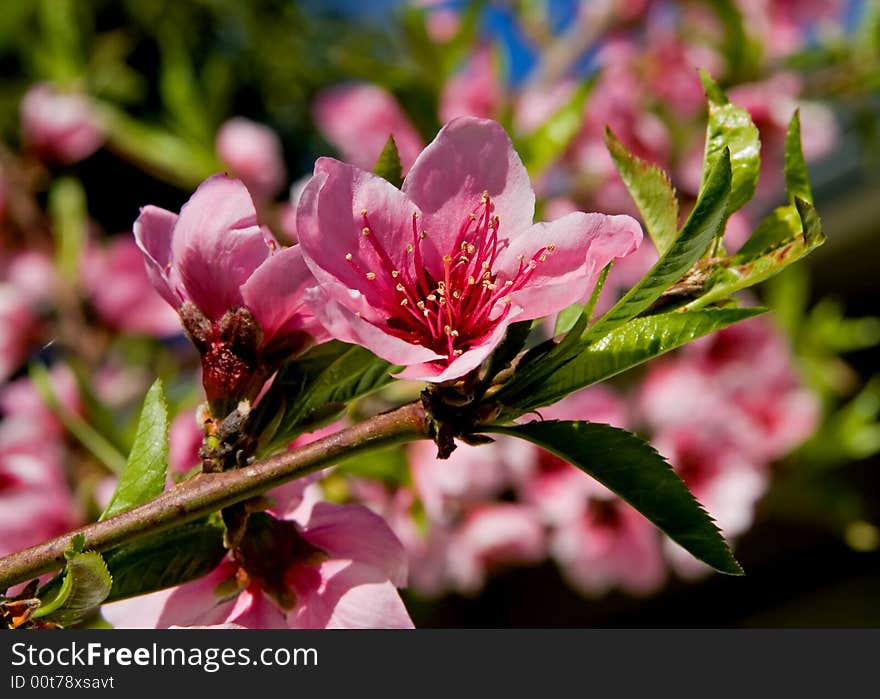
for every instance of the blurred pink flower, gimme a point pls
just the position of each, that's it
(60, 126)
(783, 25)
(35, 501)
(253, 153)
(121, 293)
(358, 118)
(475, 91)
(240, 297)
(28, 282)
(316, 566)
(430, 277)
(184, 439)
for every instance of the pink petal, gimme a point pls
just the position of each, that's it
(358, 119)
(275, 294)
(469, 156)
(344, 325)
(254, 610)
(354, 532)
(582, 245)
(461, 365)
(349, 596)
(152, 231)
(253, 152)
(217, 244)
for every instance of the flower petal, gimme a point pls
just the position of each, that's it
(152, 231)
(349, 596)
(469, 156)
(276, 295)
(356, 533)
(582, 244)
(344, 325)
(217, 244)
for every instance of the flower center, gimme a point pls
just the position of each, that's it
(452, 307)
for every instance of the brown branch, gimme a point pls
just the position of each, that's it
(209, 492)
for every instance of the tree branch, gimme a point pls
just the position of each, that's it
(209, 492)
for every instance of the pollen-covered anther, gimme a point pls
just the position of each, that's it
(404, 302)
(457, 353)
(400, 287)
(371, 276)
(409, 248)
(395, 273)
(471, 281)
(423, 235)
(365, 230)
(456, 294)
(348, 256)
(551, 248)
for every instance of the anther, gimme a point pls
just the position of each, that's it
(371, 276)
(348, 256)
(409, 247)
(395, 273)
(404, 302)
(365, 230)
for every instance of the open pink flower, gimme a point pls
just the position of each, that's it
(240, 296)
(431, 276)
(326, 566)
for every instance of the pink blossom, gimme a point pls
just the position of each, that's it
(184, 439)
(121, 293)
(475, 91)
(315, 566)
(253, 152)
(609, 544)
(241, 297)
(35, 502)
(537, 103)
(62, 126)
(431, 276)
(358, 118)
(783, 24)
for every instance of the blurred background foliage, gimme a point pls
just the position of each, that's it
(166, 74)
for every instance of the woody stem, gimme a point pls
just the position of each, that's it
(208, 492)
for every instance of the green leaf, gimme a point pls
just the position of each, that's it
(513, 342)
(730, 127)
(624, 347)
(651, 191)
(701, 227)
(164, 560)
(543, 146)
(632, 468)
(749, 267)
(386, 465)
(797, 178)
(314, 389)
(568, 317)
(69, 597)
(388, 165)
(144, 475)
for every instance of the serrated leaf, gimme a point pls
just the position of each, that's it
(651, 191)
(731, 127)
(543, 146)
(632, 468)
(388, 165)
(314, 389)
(797, 178)
(81, 587)
(699, 230)
(164, 560)
(627, 346)
(143, 477)
(748, 268)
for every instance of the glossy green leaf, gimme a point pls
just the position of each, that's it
(543, 146)
(783, 245)
(143, 477)
(731, 128)
(797, 178)
(314, 389)
(164, 560)
(83, 585)
(651, 191)
(704, 223)
(624, 347)
(388, 164)
(632, 468)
